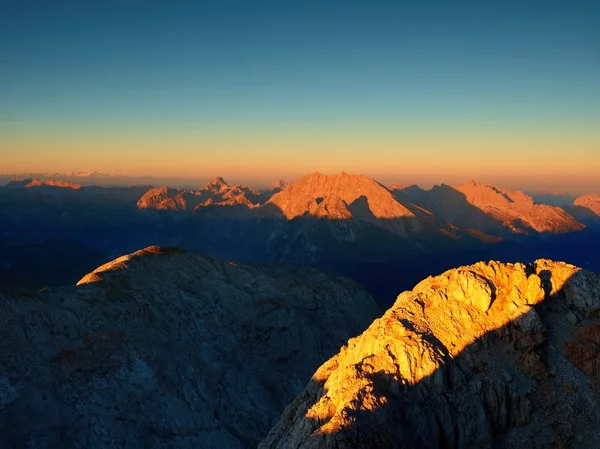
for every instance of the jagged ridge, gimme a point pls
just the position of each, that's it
(488, 355)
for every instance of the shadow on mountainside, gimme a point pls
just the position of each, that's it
(385, 255)
(583, 215)
(533, 382)
(447, 203)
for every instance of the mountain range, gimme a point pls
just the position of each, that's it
(280, 324)
(346, 224)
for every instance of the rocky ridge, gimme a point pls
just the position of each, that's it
(215, 193)
(167, 348)
(487, 355)
(517, 210)
(34, 182)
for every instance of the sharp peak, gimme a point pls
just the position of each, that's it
(218, 180)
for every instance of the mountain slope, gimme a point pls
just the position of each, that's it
(586, 209)
(488, 355)
(516, 210)
(591, 202)
(341, 191)
(167, 348)
(497, 211)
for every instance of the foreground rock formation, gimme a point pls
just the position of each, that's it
(166, 348)
(488, 355)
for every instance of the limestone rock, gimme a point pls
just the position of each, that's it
(166, 348)
(480, 356)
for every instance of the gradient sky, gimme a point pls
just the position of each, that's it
(429, 91)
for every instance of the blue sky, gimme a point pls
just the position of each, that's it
(297, 83)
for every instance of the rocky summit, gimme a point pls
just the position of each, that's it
(336, 196)
(487, 355)
(166, 348)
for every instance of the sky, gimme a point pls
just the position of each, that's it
(428, 92)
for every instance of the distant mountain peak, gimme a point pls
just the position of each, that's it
(305, 195)
(216, 185)
(514, 208)
(53, 183)
(278, 184)
(590, 201)
(90, 174)
(27, 183)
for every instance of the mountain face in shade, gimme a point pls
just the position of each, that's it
(340, 193)
(487, 355)
(586, 209)
(167, 348)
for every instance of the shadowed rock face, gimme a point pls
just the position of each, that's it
(167, 348)
(487, 355)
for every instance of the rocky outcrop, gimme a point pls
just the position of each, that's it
(166, 348)
(488, 355)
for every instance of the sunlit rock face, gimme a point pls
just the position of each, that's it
(591, 202)
(215, 193)
(167, 348)
(517, 210)
(487, 355)
(338, 192)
